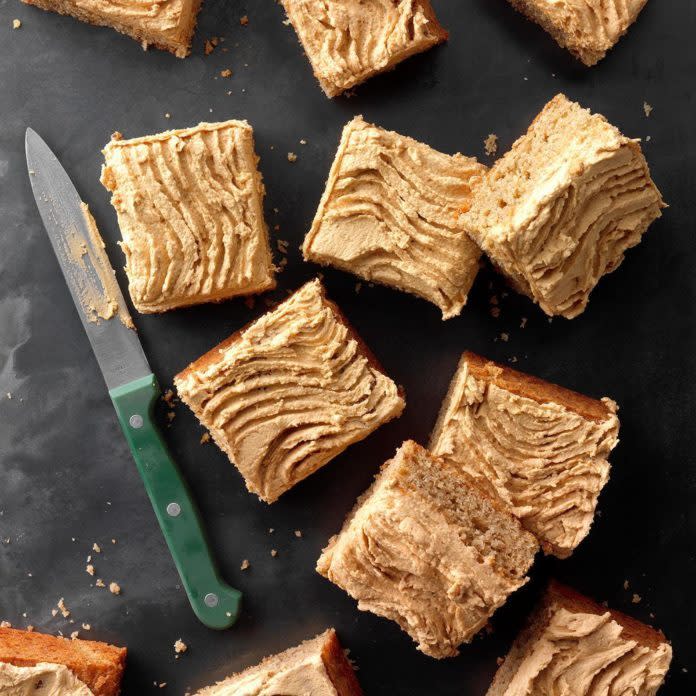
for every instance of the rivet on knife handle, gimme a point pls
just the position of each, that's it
(215, 603)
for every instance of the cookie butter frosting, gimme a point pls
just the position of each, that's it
(408, 555)
(307, 677)
(587, 28)
(547, 462)
(559, 210)
(42, 679)
(390, 214)
(348, 41)
(165, 23)
(289, 393)
(189, 206)
(588, 655)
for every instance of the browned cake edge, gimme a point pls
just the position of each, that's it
(440, 34)
(338, 667)
(180, 49)
(557, 596)
(99, 665)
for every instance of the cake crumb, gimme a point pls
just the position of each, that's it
(495, 312)
(74, 635)
(274, 553)
(180, 647)
(99, 583)
(298, 533)
(96, 548)
(636, 599)
(292, 157)
(358, 288)
(647, 109)
(16, 23)
(504, 337)
(523, 323)
(30, 629)
(245, 564)
(113, 541)
(226, 73)
(5, 624)
(303, 141)
(86, 627)
(625, 585)
(63, 609)
(114, 588)
(167, 115)
(491, 144)
(89, 569)
(271, 530)
(244, 20)
(205, 437)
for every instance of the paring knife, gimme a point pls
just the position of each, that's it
(131, 384)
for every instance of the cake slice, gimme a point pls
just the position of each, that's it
(288, 393)
(588, 29)
(349, 41)
(190, 209)
(38, 663)
(559, 210)
(541, 448)
(429, 549)
(390, 214)
(166, 24)
(318, 667)
(576, 646)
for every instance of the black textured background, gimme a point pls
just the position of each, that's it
(65, 470)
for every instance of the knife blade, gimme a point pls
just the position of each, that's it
(132, 386)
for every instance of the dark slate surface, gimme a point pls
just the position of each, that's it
(66, 475)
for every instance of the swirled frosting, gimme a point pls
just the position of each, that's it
(348, 41)
(189, 206)
(588, 655)
(544, 459)
(559, 210)
(41, 679)
(390, 214)
(166, 24)
(429, 551)
(289, 393)
(587, 28)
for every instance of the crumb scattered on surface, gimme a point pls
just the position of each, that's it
(245, 564)
(495, 312)
(523, 323)
(5, 624)
(282, 245)
(298, 533)
(16, 23)
(167, 115)
(169, 397)
(303, 141)
(96, 548)
(490, 144)
(63, 609)
(271, 530)
(99, 583)
(226, 73)
(114, 588)
(244, 20)
(625, 585)
(89, 569)
(86, 627)
(504, 337)
(292, 157)
(205, 437)
(274, 553)
(74, 635)
(180, 647)
(647, 109)
(636, 599)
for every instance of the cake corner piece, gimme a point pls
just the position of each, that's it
(559, 210)
(390, 214)
(168, 26)
(289, 392)
(28, 658)
(589, 31)
(440, 544)
(405, 27)
(189, 237)
(569, 629)
(526, 441)
(318, 665)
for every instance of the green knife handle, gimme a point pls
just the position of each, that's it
(215, 603)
